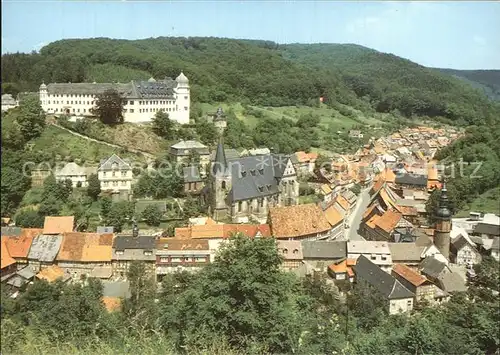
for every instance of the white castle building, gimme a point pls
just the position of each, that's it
(142, 98)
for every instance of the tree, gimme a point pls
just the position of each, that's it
(163, 126)
(106, 204)
(31, 118)
(29, 218)
(109, 107)
(152, 215)
(94, 187)
(206, 131)
(191, 207)
(323, 162)
(119, 214)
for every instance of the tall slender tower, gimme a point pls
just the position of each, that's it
(220, 183)
(443, 224)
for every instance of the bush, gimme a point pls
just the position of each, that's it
(305, 190)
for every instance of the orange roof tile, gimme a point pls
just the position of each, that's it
(183, 233)
(350, 273)
(333, 216)
(58, 225)
(19, 246)
(250, 230)
(379, 183)
(342, 202)
(210, 222)
(112, 303)
(207, 231)
(368, 211)
(408, 274)
(338, 268)
(297, 221)
(51, 273)
(407, 210)
(351, 262)
(303, 157)
(373, 221)
(5, 259)
(387, 200)
(389, 175)
(86, 247)
(389, 220)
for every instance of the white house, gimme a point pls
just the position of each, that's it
(8, 102)
(375, 251)
(115, 175)
(464, 251)
(77, 174)
(143, 99)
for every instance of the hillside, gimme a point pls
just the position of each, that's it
(486, 80)
(259, 73)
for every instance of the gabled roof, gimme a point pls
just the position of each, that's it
(485, 228)
(123, 242)
(432, 267)
(409, 274)
(6, 259)
(452, 282)
(342, 202)
(107, 164)
(333, 216)
(406, 252)
(388, 221)
(250, 230)
(326, 189)
(384, 283)
(86, 247)
(323, 249)
(189, 145)
(58, 225)
(460, 241)
(303, 157)
(297, 221)
(19, 247)
(411, 179)
(45, 248)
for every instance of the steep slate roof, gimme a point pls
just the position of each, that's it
(123, 242)
(411, 179)
(45, 247)
(19, 246)
(452, 282)
(161, 89)
(384, 283)
(406, 252)
(254, 176)
(323, 249)
(107, 164)
(116, 289)
(485, 228)
(296, 221)
(86, 247)
(432, 267)
(58, 225)
(229, 153)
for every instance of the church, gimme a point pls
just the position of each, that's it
(142, 99)
(243, 189)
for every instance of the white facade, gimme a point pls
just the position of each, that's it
(8, 102)
(137, 109)
(467, 255)
(115, 175)
(495, 254)
(377, 252)
(75, 173)
(402, 305)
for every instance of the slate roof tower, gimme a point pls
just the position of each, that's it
(443, 224)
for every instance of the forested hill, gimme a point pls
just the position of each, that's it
(257, 72)
(485, 80)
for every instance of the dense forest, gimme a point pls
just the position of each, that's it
(485, 80)
(257, 72)
(244, 304)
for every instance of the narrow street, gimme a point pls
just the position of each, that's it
(355, 218)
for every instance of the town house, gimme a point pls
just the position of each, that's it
(291, 251)
(181, 255)
(130, 248)
(376, 252)
(419, 285)
(181, 151)
(115, 176)
(78, 175)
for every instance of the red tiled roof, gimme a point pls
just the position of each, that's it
(297, 221)
(86, 247)
(389, 220)
(19, 246)
(408, 274)
(5, 259)
(58, 225)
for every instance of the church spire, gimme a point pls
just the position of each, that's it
(220, 163)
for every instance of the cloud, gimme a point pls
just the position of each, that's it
(479, 40)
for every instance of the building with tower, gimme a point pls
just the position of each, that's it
(143, 99)
(244, 188)
(442, 227)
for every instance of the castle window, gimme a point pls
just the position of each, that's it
(239, 206)
(131, 102)
(285, 251)
(131, 110)
(185, 97)
(223, 185)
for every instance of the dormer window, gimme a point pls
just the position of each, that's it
(148, 252)
(261, 188)
(252, 172)
(295, 251)
(261, 171)
(119, 252)
(243, 173)
(268, 187)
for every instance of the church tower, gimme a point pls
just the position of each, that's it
(220, 121)
(443, 224)
(220, 184)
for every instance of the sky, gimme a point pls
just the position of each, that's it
(459, 35)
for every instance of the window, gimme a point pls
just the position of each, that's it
(373, 257)
(384, 258)
(73, 110)
(103, 174)
(185, 97)
(72, 102)
(409, 303)
(48, 102)
(115, 183)
(113, 173)
(148, 252)
(124, 173)
(187, 259)
(56, 109)
(200, 259)
(119, 252)
(223, 185)
(124, 183)
(185, 108)
(239, 206)
(285, 251)
(125, 110)
(131, 102)
(79, 102)
(67, 102)
(84, 110)
(164, 259)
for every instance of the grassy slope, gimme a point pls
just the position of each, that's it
(57, 141)
(488, 202)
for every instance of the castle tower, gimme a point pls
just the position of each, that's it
(43, 96)
(182, 102)
(220, 184)
(220, 121)
(443, 224)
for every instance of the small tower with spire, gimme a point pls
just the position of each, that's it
(220, 121)
(220, 183)
(443, 224)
